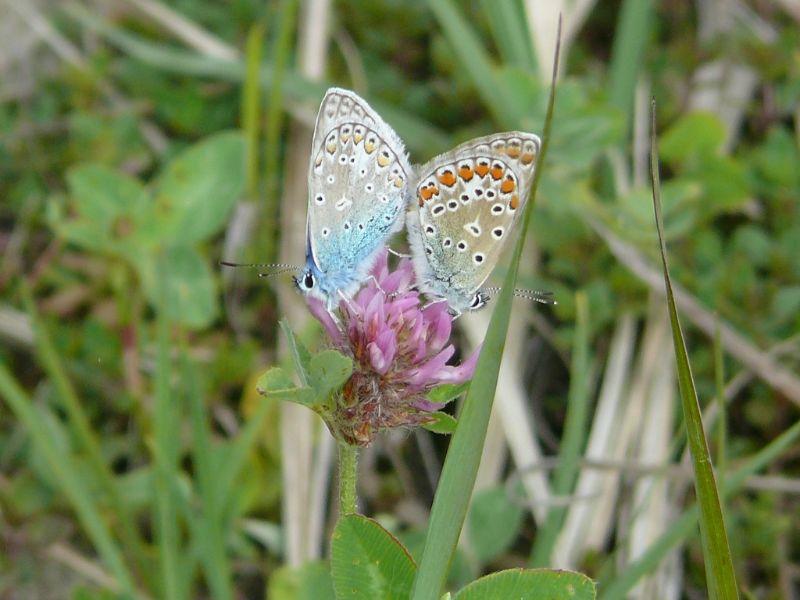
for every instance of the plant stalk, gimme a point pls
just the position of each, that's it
(348, 473)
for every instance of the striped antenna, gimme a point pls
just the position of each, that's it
(540, 296)
(274, 268)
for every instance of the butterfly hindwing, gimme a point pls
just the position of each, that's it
(467, 203)
(358, 180)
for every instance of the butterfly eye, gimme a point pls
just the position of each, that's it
(478, 300)
(308, 281)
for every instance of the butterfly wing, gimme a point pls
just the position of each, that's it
(357, 179)
(468, 201)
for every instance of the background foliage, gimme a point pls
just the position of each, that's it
(140, 143)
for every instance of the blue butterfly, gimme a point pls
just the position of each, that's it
(358, 181)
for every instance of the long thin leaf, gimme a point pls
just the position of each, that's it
(81, 428)
(721, 579)
(473, 57)
(722, 419)
(165, 453)
(574, 437)
(251, 104)
(510, 32)
(298, 90)
(240, 449)
(210, 527)
(281, 49)
(686, 524)
(69, 480)
(630, 41)
(463, 456)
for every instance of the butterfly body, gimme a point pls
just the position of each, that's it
(468, 201)
(358, 184)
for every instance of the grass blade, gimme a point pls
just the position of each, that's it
(69, 480)
(684, 526)
(574, 436)
(251, 104)
(463, 456)
(510, 32)
(209, 531)
(165, 453)
(630, 41)
(476, 61)
(282, 46)
(81, 428)
(721, 579)
(722, 419)
(418, 134)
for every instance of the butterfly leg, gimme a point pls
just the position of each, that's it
(413, 288)
(375, 281)
(346, 299)
(398, 254)
(432, 302)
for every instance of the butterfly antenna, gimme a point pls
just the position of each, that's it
(543, 297)
(287, 269)
(274, 268)
(540, 296)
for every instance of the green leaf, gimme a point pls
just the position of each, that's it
(275, 383)
(691, 137)
(311, 581)
(191, 296)
(720, 575)
(530, 584)
(198, 189)
(493, 523)
(368, 562)
(112, 211)
(328, 371)
(102, 194)
(300, 355)
(777, 158)
(449, 391)
(442, 423)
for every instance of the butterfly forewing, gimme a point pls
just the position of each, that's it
(358, 177)
(467, 203)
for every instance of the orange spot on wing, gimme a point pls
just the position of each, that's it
(497, 172)
(514, 202)
(465, 173)
(481, 169)
(447, 178)
(508, 185)
(527, 158)
(513, 151)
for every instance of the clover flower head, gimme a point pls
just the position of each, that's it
(400, 350)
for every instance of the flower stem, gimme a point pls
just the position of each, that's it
(348, 463)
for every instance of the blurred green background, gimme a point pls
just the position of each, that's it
(142, 141)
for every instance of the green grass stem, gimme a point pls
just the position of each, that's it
(463, 456)
(721, 579)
